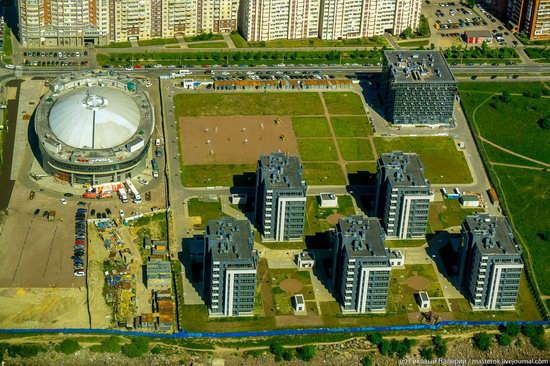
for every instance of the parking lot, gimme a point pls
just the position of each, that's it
(55, 58)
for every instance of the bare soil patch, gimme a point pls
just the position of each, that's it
(333, 218)
(234, 140)
(283, 321)
(417, 283)
(291, 285)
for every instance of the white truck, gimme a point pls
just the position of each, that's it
(122, 194)
(136, 197)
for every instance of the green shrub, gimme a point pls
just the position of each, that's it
(108, 345)
(156, 350)
(306, 353)
(25, 350)
(136, 348)
(68, 346)
(512, 329)
(287, 355)
(440, 346)
(366, 361)
(427, 353)
(375, 338)
(482, 341)
(504, 339)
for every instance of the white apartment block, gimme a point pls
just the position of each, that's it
(266, 20)
(343, 19)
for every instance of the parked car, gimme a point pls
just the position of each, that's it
(98, 215)
(68, 195)
(92, 212)
(80, 203)
(79, 273)
(37, 211)
(108, 211)
(31, 195)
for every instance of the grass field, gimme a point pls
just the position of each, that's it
(7, 49)
(401, 295)
(314, 149)
(206, 210)
(350, 126)
(157, 42)
(414, 43)
(218, 175)
(344, 103)
(415, 243)
(355, 149)
(310, 127)
(448, 213)
(207, 45)
(240, 104)
(361, 173)
(323, 174)
(443, 163)
(494, 119)
(316, 42)
(523, 193)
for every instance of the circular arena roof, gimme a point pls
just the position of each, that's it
(94, 118)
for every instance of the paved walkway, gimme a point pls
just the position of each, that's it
(228, 40)
(181, 41)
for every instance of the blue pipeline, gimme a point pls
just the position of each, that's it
(270, 333)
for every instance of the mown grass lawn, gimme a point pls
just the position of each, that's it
(218, 175)
(310, 127)
(317, 149)
(317, 216)
(207, 210)
(443, 163)
(323, 174)
(207, 45)
(355, 149)
(361, 173)
(344, 103)
(240, 104)
(351, 126)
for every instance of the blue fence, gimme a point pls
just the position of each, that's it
(281, 332)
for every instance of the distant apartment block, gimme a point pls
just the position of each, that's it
(266, 20)
(230, 267)
(421, 88)
(361, 265)
(343, 19)
(531, 17)
(280, 197)
(75, 23)
(490, 262)
(402, 195)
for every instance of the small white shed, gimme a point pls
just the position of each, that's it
(298, 303)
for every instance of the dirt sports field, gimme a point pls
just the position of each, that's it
(234, 140)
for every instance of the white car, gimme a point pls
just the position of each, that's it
(63, 201)
(157, 142)
(143, 181)
(225, 73)
(79, 273)
(9, 66)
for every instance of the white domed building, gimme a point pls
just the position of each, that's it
(94, 128)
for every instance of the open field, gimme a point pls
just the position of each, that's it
(234, 140)
(344, 103)
(157, 41)
(207, 45)
(222, 175)
(448, 213)
(523, 193)
(314, 149)
(7, 48)
(323, 174)
(351, 126)
(322, 219)
(241, 104)
(495, 118)
(361, 173)
(443, 163)
(310, 127)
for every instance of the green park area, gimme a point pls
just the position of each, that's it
(448, 213)
(344, 103)
(510, 124)
(206, 210)
(443, 163)
(7, 49)
(310, 127)
(478, 55)
(220, 44)
(541, 55)
(319, 219)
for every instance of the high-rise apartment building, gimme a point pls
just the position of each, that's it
(421, 88)
(280, 197)
(402, 195)
(266, 20)
(77, 22)
(361, 265)
(490, 262)
(230, 267)
(342, 19)
(62, 22)
(531, 17)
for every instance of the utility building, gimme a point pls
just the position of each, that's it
(421, 88)
(280, 197)
(490, 262)
(361, 265)
(230, 267)
(402, 195)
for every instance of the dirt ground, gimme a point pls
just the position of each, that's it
(234, 140)
(333, 218)
(417, 283)
(35, 252)
(43, 308)
(291, 285)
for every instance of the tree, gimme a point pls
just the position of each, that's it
(471, 3)
(384, 347)
(136, 348)
(482, 341)
(366, 361)
(427, 353)
(512, 329)
(504, 339)
(375, 338)
(277, 349)
(68, 346)
(306, 353)
(287, 355)
(407, 33)
(440, 346)
(506, 97)
(545, 123)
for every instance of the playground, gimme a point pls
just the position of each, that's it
(234, 140)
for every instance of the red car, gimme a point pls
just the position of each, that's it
(79, 242)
